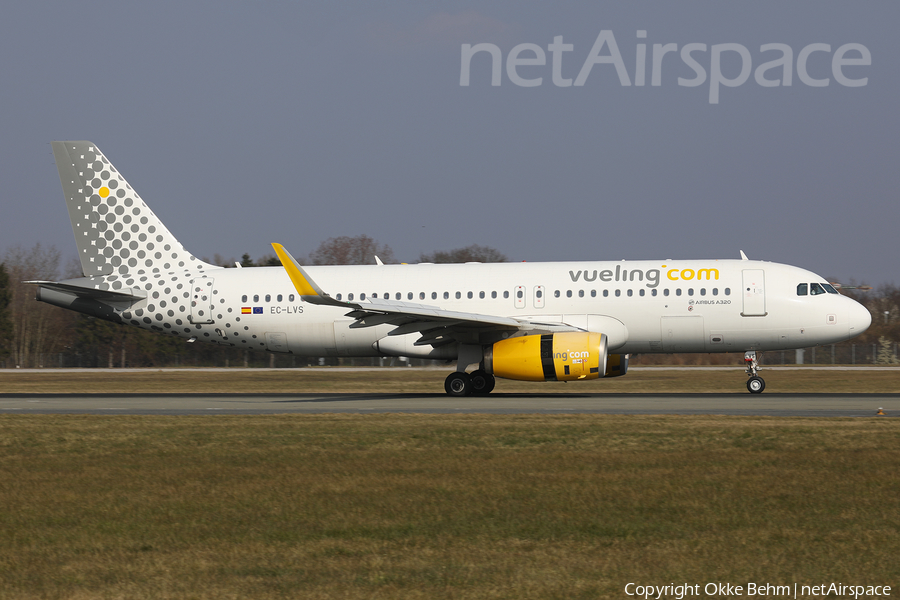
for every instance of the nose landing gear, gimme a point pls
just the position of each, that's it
(756, 384)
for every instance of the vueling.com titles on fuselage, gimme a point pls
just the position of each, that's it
(651, 276)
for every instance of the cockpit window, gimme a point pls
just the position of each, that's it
(815, 289)
(802, 289)
(829, 288)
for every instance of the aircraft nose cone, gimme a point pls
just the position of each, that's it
(860, 318)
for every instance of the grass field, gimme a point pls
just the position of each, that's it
(690, 380)
(440, 506)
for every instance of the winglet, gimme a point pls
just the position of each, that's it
(307, 288)
(303, 282)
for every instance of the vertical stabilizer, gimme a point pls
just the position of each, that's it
(115, 231)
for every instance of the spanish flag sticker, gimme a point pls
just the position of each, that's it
(246, 310)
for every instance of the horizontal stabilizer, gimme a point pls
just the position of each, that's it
(123, 295)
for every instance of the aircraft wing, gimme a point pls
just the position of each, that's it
(436, 325)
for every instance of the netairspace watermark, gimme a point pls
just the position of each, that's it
(686, 590)
(777, 70)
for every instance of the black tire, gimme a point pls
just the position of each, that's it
(458, 384)
(756, 385)
(482, 383)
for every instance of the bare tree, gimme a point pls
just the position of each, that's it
(6, 329)
(473, 253)
(38, 329)
(345, 250)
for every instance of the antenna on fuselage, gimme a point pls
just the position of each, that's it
(744, 256)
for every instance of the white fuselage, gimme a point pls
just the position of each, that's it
(642, 306)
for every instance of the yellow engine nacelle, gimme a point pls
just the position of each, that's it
(550, 357)
(617, 365)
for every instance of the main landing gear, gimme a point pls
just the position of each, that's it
(756, 384)
(477, 383)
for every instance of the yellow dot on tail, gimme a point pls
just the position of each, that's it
(104, 192)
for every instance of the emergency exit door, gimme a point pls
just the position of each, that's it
(754, 293)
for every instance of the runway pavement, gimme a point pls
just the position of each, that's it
(766, 404)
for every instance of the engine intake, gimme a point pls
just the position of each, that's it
(550, 357)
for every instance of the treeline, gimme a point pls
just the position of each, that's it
(37, 335)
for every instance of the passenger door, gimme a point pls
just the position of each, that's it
(754, 293)
(201, 300)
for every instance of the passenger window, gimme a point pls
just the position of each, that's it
(256, 297)
(715, 291)
(446, 295)
(291, 298)
(469, 295)
(421, 295)
(606, 293)
(815, 289)
(653, 292)
(279, 297)
(568, 293)
(593, 293)
(727, 291)
(581, 293)
(642, 292)
(458, 295)
(539, 294)
(618, 293)
(362, 296)
(268, 297)
(702, 291)
(339, 297)
(803, 289)
(666, 292)
(409, 296)
(520, 294)
(678, 291)
(493, 294)
(506, 294)
(434, 295)
(244, 298)
(349, 297)
(481, 295)
(690, 291)
(556, 293)
(630, 293)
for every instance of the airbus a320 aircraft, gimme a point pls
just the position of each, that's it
(558, 321)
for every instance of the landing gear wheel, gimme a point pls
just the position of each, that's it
(756, 385)
(458, 384)
(482, 383)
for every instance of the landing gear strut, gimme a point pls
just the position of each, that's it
(756, 384)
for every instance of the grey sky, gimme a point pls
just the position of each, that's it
(244, 123)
